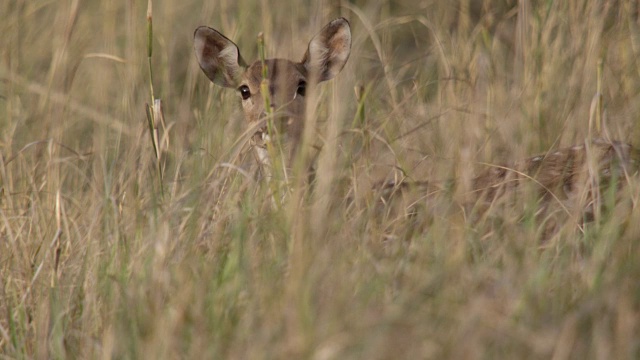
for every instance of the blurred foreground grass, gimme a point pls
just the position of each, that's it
(95, 261)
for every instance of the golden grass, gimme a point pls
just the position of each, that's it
(97, 261)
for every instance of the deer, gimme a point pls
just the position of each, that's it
(277, 88)
(569, 185)
(571, 177)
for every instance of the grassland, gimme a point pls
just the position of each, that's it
(100, 257)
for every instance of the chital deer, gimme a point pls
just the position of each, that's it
(572, 182)
(571, 177)
(286, 80)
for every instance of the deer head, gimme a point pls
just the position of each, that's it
(287, 81)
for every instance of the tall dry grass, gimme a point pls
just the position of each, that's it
(99, 257)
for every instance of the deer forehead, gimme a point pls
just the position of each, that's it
(282, 74)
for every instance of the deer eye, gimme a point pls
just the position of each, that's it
(302, 88)
(244, 92)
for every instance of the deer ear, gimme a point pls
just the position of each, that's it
(218, 57)
(329, 50)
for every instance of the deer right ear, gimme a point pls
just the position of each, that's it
(218, 57)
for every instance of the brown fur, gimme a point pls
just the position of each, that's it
(570, 181)
(563, 173)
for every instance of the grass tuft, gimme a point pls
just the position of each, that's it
(96, 262)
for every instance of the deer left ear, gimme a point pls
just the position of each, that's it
(329, 50)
